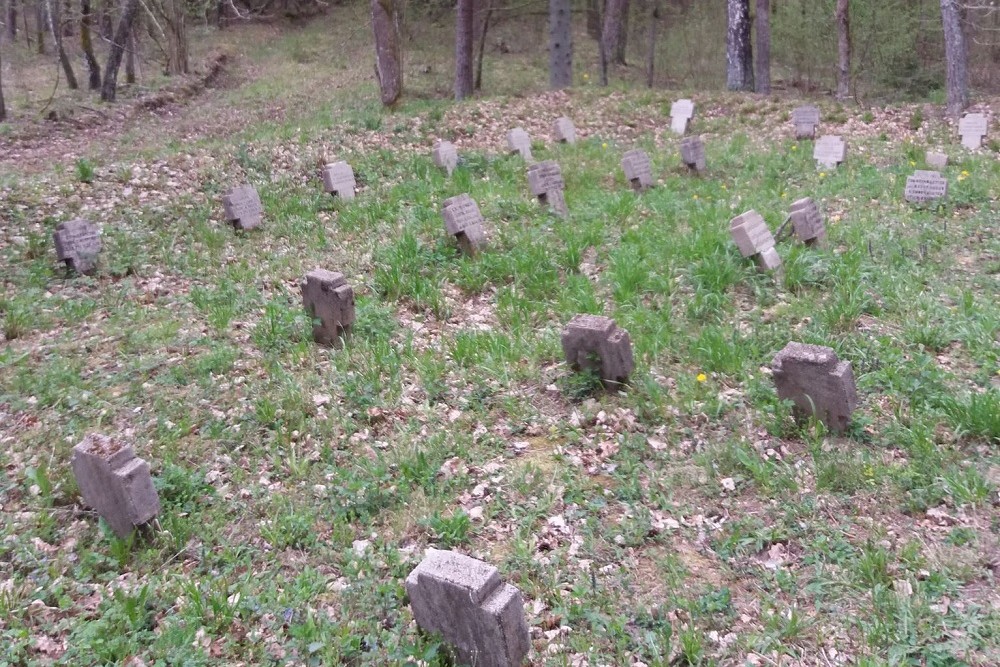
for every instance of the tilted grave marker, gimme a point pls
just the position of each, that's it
(817, 382)
(829, 151)
(638, 169)
(754, 239)
(518, 141)
(463, 220)
(445, 156)
(693, 153)
(115, 483)
(465, 601)
(973, 128)
(564, 130)
(339, 181)
(806, 120)
(924, 186)
(78, 242)
(681, 113)
(330, 302)
(594, 342)
(243, 208)
(807, 222)
(936, 161)
(546, 183)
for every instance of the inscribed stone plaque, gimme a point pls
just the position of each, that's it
(924, 186)
(817, 382)
(807, 222)
(936, 161)
(445, 156)
(972, 127)
(681, 112)
(564, 130)
(754, 239)
(638, 169)
(829, 151)
(693, 153)
(330, 301)
(243, 208)
(518, 141)
(806, 120)
(463, 220)
(78, 243)
(338, 179)
(546, 182)
(594, 342)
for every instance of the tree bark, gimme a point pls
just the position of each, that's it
(464, 38)
(86, 43)
(482, 45)
(11, 18)
(739, 50)
(763, 46)
(622, 45)
(843, 49)
(956, 58)
(610, 34)
(109, 90)
(3, 106)
(56, 29)
(388, 59)
(654, 24)
(177, 41)
(594, 18)
(131, 51)
(560, 44)
(40, 20)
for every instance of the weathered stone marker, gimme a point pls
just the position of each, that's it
(445, 156)
(330, 301)
(807, 222)
(638, 169)
(829, 151)
(594, 342)
(924, 186)
(243, 208)
(693, 153)
(546, 182)
(806, 120)
(564, 130)
(338, 180)
(818, 383)
(972, 128)
(754, 239)
(78, 242)
(936, 161)
(115, 483)
(463, 220)
(518, 141)
(681, 113)
(465, 601)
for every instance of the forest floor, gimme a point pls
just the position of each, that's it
(686, 519)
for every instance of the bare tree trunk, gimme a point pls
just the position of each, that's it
(610, 34)
(131, 51)
(594, 18)
(3, 106)
(40, 20)
(11, 18)
(93, 67)
(739, 50)
(560, 44)
(482, 45)
(56, 29)
(175, 16)
(109, 90)
(956, 58)
(464, 38)
(622, 46)
(764, 46)
(388, 58)
(654, 24)
(843, 49)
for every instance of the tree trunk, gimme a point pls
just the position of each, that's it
(594, 18)
(177, 41)
(622, 45)
(610, 34)
(3, 106)
(131, 51)
(56, 29)
(654, 24)
(109, 89)
(843, 49)
(956, 58)
(40, 20)
(464, 38)
(560, 44)
(93, 67)
(764, 46)
(11, 18)
(482, 45)
(388, 59)
(739, 50)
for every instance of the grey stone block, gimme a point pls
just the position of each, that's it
(936, 160)
(925, 186)
(812, 377)
(463, 220)
(445, 156)
(546, 183)
(518, 141)
(972, 128)
(564, 130)
(829, 151)
(638, 169)
(693, 153)
(243, 208)
(78, 242)
(806, 120)
(330, 301)
(594, 342)
(339, 181)
(681, 113)
(807, 222)
(754, 239)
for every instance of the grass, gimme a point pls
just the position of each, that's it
(684, 519)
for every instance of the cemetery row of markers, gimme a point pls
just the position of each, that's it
(462, 598)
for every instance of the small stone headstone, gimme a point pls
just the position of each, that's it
(972, 128)
(463, 220)
(936, 161)
(518, 141)
(445, 156)
(924, 186)
(78, 242)
(465, 601)
(829, 151)
(807, 222)
(546, 182)
(338, 180)
(693, 153)
(594, 342)
(638, 169)
(115, 483)
(243, 208)
(564, 130)
(754, 239)
(817, 382)
(681, 113)
(330, 301)
(806, 120)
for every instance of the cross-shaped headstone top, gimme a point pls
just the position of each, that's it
(594, 342)
(546, 182)
(924, 186)
(693, 153)
(78, 242)
(339, 181)
(681, 113)
(445, 156)
(638, 169)
(754, 239)
(807, 222)
(463, 220)
(242, 207)
(812, 377)
(518, 141)
(936, 160)
(973, 127)
(829, 151)
(806, 120)
(564, 130)
(330, 300)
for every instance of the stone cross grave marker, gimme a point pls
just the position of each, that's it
(546, 182)
(638, 169)
(243, 208)
(115, 483)
(330, 302)
(972, 128)
(594, 342)
(338, 180)
(564, 130)
(445, 156)
(681, 113)
(754, 239)
(829, 151)
(78, 242)
(465, 601)
(463, 220)
(693, 153)
(518, 141)
(806, 120)
(807, 222)
(925, 186)
(817, 382)
(936, 161)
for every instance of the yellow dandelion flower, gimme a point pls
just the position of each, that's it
(783, 195)
(585, 76)
(794, 147)
(701, 377)
(912, 163)
(694, 197)
(822, 174)
(604, 145)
